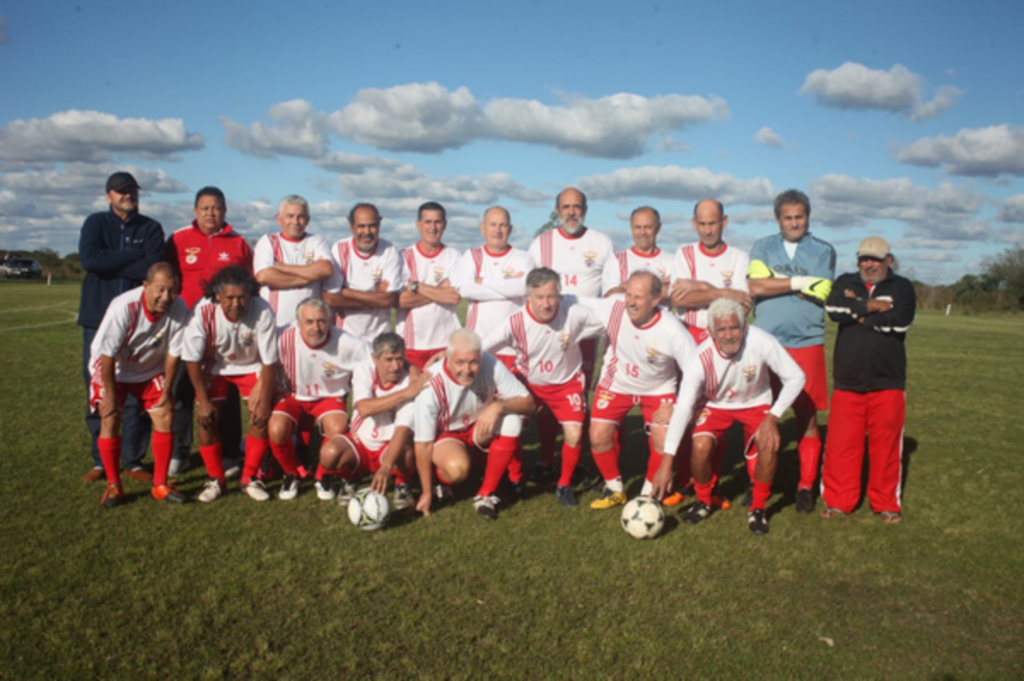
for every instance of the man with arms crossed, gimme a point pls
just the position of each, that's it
(232, 340)
(428, 311)
(293, 265)
(643, 256)
(731, 370)
(136, 351)
(472, 402)
(790, 277)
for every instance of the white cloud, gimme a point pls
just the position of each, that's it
(855, 86)
(345, 163)
(769, 137)
(298, 131)
(670, 143)
(409, 182)
(85, 181)
(93, 137)
(1012, 209)
(986, 152)
(423, 117)
(865, 192)
(676, 183)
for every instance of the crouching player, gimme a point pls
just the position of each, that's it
(232, 339)
(473, 402)
(732, 371)
(136, 350)
(317, 362)
(644, 349)
(379, 440)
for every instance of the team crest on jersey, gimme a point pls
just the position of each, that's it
(727, 278)
(749, 372)
(563, 340)
(330, 370)
(192, 255)
(589, 256)
(652, 353)
(662, 271)
(465, 420)
(438, 274)
(377, 274)
(247, 337)
(704, 414)
(308, 256)
(223, 256)
(509, 272)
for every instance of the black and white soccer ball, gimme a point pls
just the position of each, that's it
(369, 510)
(643, 518)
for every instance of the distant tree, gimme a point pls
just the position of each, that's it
(1006, 271)
(550, 224)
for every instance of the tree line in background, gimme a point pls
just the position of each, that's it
(999, 287)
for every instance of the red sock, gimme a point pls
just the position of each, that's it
(401, 477)
(704, 489)
(608, 463)
(321, 472)
(515, 464)
(213, 459)
(809, 451)
(751, 462)
(762, 490)
(570, 459)
(110, 455)
(440, 478)
(163, 443)
(500, 453)
(255, 450)
(653, 463)
(285, 455)
(547, 430)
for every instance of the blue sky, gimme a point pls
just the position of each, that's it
(899, 119)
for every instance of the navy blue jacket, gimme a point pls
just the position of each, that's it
(115, 257)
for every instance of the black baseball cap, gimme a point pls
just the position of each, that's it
(121, 181)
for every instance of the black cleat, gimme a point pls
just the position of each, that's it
(758, 521)
(804, 501)
(696, 513)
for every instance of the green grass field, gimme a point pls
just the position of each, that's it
(239, 589)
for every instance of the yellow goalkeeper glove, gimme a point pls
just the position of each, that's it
(759, 270)
(812, 287)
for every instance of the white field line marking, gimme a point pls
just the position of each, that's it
(32, 309)
(74, 316)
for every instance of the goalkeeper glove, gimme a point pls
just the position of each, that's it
(812, 287)
(759, 270)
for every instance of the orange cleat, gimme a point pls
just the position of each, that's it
(168, 493)
(677, 497)
(113, 495)
(721, 502)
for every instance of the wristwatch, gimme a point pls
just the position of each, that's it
(414, 286)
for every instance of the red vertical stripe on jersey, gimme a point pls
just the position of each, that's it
(546, 249)
(707, 360)
(518, 324)
(614, 323)
(623, 259)
(288, 357)
(690, 315)
(408, 330)
(209, 320)
(443, 417)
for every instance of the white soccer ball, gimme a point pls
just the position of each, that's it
(643, 518)
(369, 510)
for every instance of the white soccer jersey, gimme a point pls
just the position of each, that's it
(622, 264)
(138, 341)
(447, 406)
(738, 382)
(725, 269)
(361, 272)
(311, 374)
(546, 353)
(276, 248)
(376, 431)
(641, 360)
(500, 291)
(580, 259)
(428, 327)
(228, 348)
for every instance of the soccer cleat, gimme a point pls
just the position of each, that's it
(346, 492)
(256, 490)
(486, 507)
(178, 466)
(324, 490)
(211, 491)
(113, 495)
(289, 487)
(232, 469)
(696, 513)
(748, 498)
(890, 517)
(566, 496)
(94, 475)
(403, 497)
(443, 494)
(804, 501)
(542, 474)
(758, 521)
(139, 474)
(514, 491)
(168, 493)
(609, 499)
(678, 497)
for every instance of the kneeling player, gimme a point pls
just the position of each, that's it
(232, 339)
(317, 361)
(136, 351)
(379, 440)
(732, 370)
(473, 402)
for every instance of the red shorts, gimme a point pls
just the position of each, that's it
(367, 460)
(715, 422)
(566, 401)
(699, 335)
(295, 409)
(612, 407)
(217, 386)
(814, 396)
(148, 393)
(418, 358)
(466, 437)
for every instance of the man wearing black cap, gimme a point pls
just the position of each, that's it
(117, 247)
(874, 308)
